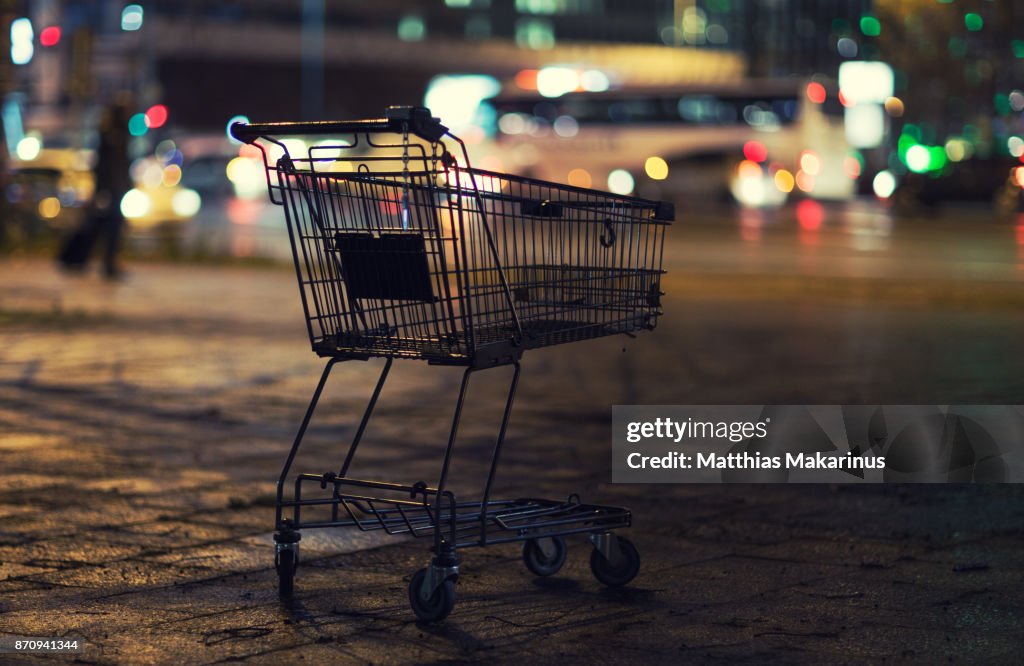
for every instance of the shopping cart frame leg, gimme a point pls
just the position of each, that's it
(287, 525)
(442, 549)
(497, 452)
(444, 565)
(366, 417)
(446, 562)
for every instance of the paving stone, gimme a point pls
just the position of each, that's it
(143, 427)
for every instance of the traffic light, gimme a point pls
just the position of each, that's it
(50, 36)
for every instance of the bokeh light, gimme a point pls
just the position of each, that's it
(656, 168)
(846, 47)
(1016, 99)
(556, 81)
(186, 202)
(620, 181)
(594, 80)
(131, 18)
(22, 34)
(50, 36)
(526, 79)
(166, 150)
(156, 116)
(958, 149)
(894, 106)
(137, 125)
(171, 175)
(456, 98)
(918, 158)
(512, 123)
(135, 203)
(870, 26)
(150, 173)
(784, 181)
(810, 163)
(566, 126)
(755, 151)
(580, 178)
(884, 184)
(29, 148)
(816, 92)
(411, 28)
(851, 167)
(749, 170)
(247, 177)
(49, 208)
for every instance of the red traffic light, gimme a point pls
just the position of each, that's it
(50, 36)
(156, 116)
(816, 92)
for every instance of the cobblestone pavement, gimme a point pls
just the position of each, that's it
(142, 425)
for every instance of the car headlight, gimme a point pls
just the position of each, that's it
(186, 202)
(135, 203)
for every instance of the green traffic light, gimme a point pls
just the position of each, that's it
(137, 125)
(870, 26)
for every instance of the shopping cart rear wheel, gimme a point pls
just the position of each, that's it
(621, 572)
(440, 603)
(542, 564)
(286, 565)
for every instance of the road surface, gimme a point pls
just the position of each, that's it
(142, 425)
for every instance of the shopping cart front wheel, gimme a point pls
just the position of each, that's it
(437, 605)
(545, 556)
(615, 561)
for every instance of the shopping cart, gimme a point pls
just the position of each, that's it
(402, 250)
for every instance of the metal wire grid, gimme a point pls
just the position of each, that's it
(580, 263)
(577, 263)
(391, 508)
(323, 208)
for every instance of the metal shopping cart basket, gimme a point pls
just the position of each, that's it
(402, 250)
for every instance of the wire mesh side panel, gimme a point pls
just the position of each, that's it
(579, 264)
(371, 263)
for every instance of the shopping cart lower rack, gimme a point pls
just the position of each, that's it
(403, 250)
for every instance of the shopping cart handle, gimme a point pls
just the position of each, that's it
(396, 118)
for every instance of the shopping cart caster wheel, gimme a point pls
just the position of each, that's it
(287, 562)
(440, 603)
(618, 573)
(544, 556)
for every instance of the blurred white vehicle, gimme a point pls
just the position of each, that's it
(622, 139)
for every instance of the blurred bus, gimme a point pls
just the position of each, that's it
(756, 141)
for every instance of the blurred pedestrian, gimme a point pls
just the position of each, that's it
(103, 222)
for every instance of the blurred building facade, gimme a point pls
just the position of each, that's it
(307, 58)
(304, 57)
(208, 61)
(959, 72)
(782, 37)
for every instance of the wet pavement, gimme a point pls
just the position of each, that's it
(143, 423)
